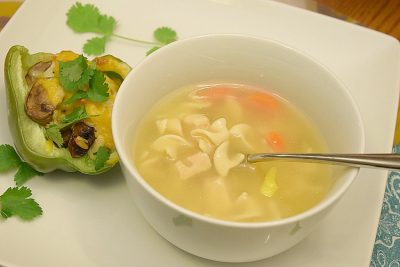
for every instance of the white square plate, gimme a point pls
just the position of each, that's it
(91, 221)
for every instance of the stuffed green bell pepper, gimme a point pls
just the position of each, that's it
(60, 109)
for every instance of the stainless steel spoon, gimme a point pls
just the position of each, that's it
(387, 161)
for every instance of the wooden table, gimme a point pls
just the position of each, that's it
(381, 15)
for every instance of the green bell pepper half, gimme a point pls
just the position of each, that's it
(29, 137)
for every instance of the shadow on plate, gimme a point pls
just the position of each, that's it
(108, 179)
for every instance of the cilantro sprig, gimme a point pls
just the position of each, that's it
(75, 74)
(24, 173)
(98, 88)
(76, 115)
(53, 131)
(102, 155)
(80, 94)
(17, 201)
(9, 159)
(85, 82)
(88, 19)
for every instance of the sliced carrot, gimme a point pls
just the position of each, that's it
(263, 101)
(217, 93)
(276, 141)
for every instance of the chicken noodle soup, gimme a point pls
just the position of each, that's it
(191, 146)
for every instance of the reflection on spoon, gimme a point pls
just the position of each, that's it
(387, 161)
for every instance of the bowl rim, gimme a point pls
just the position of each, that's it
(316, 209)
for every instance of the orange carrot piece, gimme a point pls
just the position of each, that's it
(264, 100)
(217, 92)
(276, 141)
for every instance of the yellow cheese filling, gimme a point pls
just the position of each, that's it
(100, 113)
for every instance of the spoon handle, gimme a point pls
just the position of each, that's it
(388, 161)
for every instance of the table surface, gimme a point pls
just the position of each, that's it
(380, 15)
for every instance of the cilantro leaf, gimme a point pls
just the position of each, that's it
(53, 133)
(75, 116)
(75, 74)
(102, 155)
(24, 173)
(83, 18)
(9, 159)
(75, 97)
(151, 50)
(165, 35)
(87, 18)
(16, 201)
(106, 24)
(95, 46)
(98, 90)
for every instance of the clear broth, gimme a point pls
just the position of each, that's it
(248, 192)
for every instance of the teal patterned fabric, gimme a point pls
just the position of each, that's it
(387, 244)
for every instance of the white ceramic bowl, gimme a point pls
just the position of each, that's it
(246, 60)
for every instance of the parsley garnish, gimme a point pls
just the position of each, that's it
(98, 90)
(16, 201)
(75, 74)
(80, 94)
(151, 50)
(24, 173)
(9, 159)
(53, 132)
(102, 155)
(87, 18)
(95, 46)
(165, 35)
(76, 115)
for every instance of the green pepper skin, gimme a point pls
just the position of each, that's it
(29, 137)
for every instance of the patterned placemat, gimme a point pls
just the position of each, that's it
(387, 244)
(386, 251)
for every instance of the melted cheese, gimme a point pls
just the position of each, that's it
(66, 56)
(101, 113)
(63, 56)
(53, 89)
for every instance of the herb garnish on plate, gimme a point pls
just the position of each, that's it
(88, 19)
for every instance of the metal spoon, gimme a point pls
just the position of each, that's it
(387, 161)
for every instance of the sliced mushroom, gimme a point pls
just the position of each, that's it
(29, 80)
(39, 70)
(37, 105)
(82, 138)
